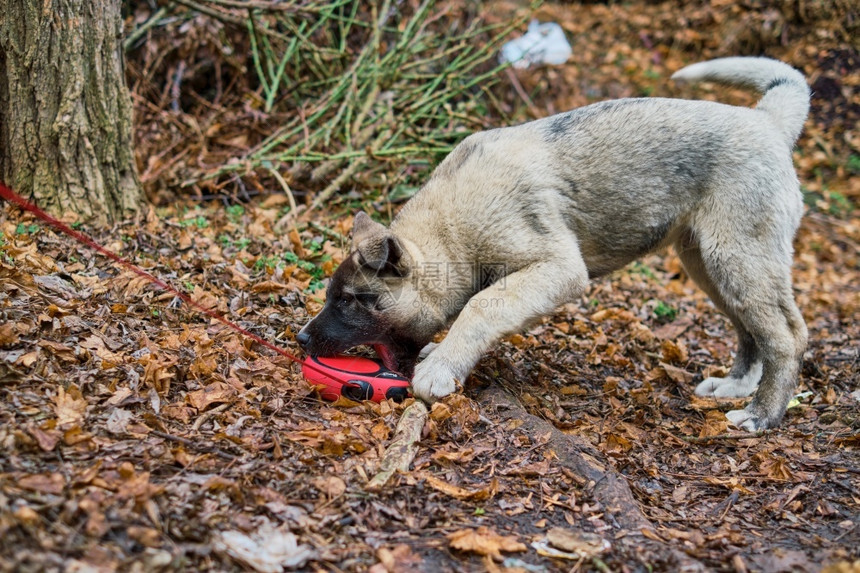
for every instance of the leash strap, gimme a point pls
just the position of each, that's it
(11, 196)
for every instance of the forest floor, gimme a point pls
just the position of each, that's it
(136, 434)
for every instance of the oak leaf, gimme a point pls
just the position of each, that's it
(69, 407)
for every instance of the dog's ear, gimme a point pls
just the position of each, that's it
(377, 247)
(382, 253)
(363, 227)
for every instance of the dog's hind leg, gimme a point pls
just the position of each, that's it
(747, 368)
(752, 280)
(504, 307)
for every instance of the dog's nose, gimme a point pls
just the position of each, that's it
(303, 338)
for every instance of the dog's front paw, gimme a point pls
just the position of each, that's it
(715, 387)
(746, 420)
(433, 380)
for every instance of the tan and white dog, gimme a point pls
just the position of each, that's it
(516, 221)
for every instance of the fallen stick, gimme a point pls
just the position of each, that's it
(399, 454)
(576, 454)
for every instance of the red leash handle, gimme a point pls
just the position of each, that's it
(354, 377)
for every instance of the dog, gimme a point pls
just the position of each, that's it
(514, 222)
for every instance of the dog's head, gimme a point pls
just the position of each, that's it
(371, 299)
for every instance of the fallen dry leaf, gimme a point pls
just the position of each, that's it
(715, 424)
(399, 559)
(479, 494)
(47, 438)
(118, 421)
(214, 393)
(330, 486)
(674, 352)
(69, 407)
(485, 541)
(8, 334)
(583, 543)
(43, 483)
(676, 374)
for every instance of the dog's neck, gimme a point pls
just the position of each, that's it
(439, 276)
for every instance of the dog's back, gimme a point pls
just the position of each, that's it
(592, 170)
(786, 95)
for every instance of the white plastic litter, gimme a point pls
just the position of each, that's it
(542, 44)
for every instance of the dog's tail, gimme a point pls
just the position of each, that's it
(786, 95)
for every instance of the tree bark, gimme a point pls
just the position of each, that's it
(65, 112)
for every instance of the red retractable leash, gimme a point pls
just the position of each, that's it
(353, 377)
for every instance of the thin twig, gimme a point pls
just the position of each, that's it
(335, 185)
(326, 231)
(518, 87)
(294, 210)
(191, 444)
(226, 17)
(208, 414)
(129, 42)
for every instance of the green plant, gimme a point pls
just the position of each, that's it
(643, 269)
(839, 204)
(314, 246)
(315, 285)
(235, 212)
(199, 221)
(809, 197)
(316, 272)
(227, 241)
(269, 262)
(24, 229)
(664, 311)
(6, 257)
(828, 200)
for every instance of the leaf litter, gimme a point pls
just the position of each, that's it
(139, 435)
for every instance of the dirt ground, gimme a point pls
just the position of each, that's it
(136, 434)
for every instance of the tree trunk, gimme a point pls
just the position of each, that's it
(65, 112)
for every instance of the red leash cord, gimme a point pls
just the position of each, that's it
(11, 196)
(354, 377)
